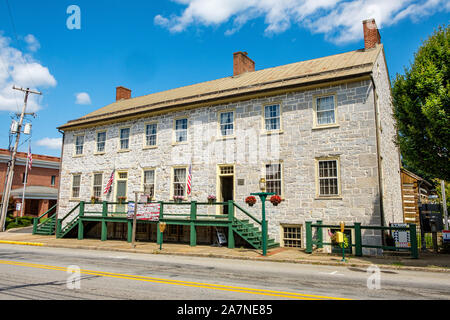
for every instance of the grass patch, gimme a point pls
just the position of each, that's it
(398, 264)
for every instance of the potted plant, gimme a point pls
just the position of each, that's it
(122, 199)
(276, 200)
(211, 199)
(251, 200)
(178, 199)
(94, 199)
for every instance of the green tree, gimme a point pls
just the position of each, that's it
(422, 108)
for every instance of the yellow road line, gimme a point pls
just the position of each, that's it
(283, 294)
(22, 243)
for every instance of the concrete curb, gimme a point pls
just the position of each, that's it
(36, 244)
(221, 256)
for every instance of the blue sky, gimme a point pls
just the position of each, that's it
(158, 45)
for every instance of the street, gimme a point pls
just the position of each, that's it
(41, 273)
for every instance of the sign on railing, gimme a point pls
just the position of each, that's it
(145, 212)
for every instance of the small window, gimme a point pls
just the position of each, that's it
(272, 117)
(24, 178)
(292, 236)
(181, 126)
(98, 181)
(76, 182)
(123, 175)
(150, 135)
(273, 178)
(325, 110)
(124, 138)
(149, 183)
(101, 141)
(226, 170)
(328, 178)
(179, 182)
(79, 143)
(53, 180)
(227, 123)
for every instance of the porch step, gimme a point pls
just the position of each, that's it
(252, 234)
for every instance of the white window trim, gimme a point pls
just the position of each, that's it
(72, 198)
(336, 120)
(75, 155)
(129, 140)
(338, 164)
(96, 142)
(290, 225)
(280, 162)
(174, 133)
(155, 181)
(263, 118)
(101, 186)
(145, 146)
(219, 127)
(172, 180)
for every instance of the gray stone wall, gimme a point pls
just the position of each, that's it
(296, 147)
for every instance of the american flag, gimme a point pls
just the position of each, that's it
(30, 158)
(189, 180)
(109, 184)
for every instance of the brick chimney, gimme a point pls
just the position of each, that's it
(371, 34)
(122, 93)
(242, 63)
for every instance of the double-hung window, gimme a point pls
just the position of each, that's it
(273, 178)
(227, 123)
(149, 183)
(79, 144)
(328, 178)
(97, 186)
(150, 134)
(101, 141)
(272, 117)
(325, 110)
(179, 182)
(76, 183)
(181, 126)
(124, 138)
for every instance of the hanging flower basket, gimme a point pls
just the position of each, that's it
(178, 199)
(251, 200)
(211, 199)
(94, 200)
(122, 199)
(276, 200)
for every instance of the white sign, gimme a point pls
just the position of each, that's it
(18, 206)
(401, 237)
(446, 236)
(147, 211)
(221, 237)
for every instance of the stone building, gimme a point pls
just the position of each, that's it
(320, 131)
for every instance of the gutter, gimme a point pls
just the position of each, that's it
(59, 182)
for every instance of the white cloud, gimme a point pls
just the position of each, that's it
(340, 21)
(33, 43)
(83, 98)
(50, 143)
(21, 70)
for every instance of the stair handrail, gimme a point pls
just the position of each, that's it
(248, 214)
(70, 212)
(36, 220)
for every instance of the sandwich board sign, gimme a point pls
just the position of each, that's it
(221, 237)
(401, 237)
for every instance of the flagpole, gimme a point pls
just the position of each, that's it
(25, 180)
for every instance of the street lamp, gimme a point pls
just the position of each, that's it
(263, 195)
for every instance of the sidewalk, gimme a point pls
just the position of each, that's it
(426, 262)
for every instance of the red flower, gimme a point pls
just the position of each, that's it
(251, 200)
(275, 199)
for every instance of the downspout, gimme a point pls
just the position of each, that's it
(59, 182)
(380, 178)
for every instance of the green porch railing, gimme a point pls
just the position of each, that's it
(358, 244)
(36, 220)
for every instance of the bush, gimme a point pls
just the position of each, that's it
(21, 222)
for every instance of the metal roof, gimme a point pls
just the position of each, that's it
(36, 192)
(343, 65)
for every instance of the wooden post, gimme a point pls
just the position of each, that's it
(193, 237)
(358, 239)
(230, 224)
(308, 230)
(319, 235)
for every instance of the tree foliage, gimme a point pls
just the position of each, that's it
(422, 108)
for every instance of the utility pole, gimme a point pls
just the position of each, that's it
(9, 178)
